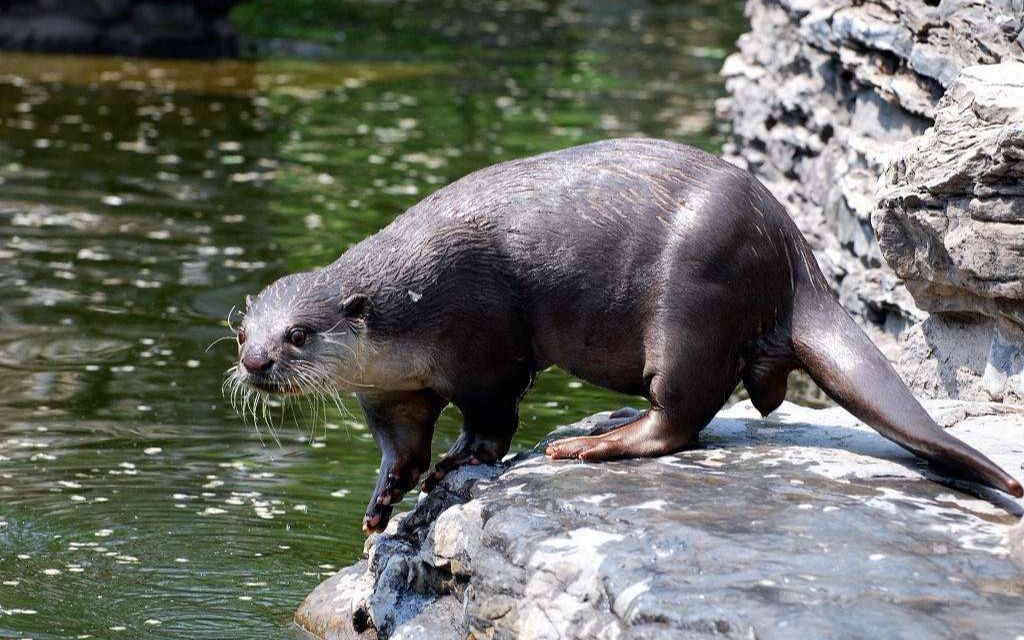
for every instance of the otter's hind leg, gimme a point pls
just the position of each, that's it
(686, 392)
(402, 423)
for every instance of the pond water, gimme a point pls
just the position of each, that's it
(141, 200)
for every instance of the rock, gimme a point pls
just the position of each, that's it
(43, 32)
(961, 357)
(394, 592)
(330, 611)
(805, 524)
(165, 17)
(109, 10)
(950, 222)
(1017, 545)
(153, 28)
(823, 93)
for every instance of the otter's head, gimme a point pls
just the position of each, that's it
(300, 335)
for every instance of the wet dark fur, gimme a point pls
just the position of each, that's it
(643, 266)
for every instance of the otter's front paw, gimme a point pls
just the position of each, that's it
(391, 487)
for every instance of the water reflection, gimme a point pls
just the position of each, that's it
(139, 200)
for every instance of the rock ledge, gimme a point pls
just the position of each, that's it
(824, 95)
(803, 521)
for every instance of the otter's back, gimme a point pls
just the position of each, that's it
(593, 233)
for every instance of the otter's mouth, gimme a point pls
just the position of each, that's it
(271, 386)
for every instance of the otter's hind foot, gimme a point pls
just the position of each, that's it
(649, 435)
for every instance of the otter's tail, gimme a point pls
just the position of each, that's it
(853, 372)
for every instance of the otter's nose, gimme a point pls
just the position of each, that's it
(257, 362)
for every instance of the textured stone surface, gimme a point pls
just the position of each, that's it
(161, 28)
(957, 189)
(963, 357)
(1017, 545)
(950, 222)
(806, 524)
(822, 94)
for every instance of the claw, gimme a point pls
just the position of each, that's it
(370, 523)
(432, 480)
(390, 490)
(377, 517)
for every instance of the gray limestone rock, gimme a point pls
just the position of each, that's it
(823, 93)
(806, 524)
(1017, 545)
(950, 222)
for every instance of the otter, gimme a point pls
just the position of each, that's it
(643, 266)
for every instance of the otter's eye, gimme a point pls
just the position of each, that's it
(297, 337)
(240, 336)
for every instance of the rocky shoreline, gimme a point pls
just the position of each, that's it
(805, 522)
(828, 96)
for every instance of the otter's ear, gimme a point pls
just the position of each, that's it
(248, 302)
(356, 306)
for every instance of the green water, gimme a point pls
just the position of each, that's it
(140, 200)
